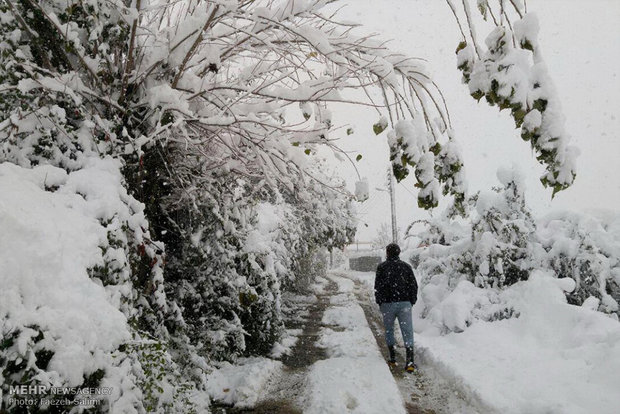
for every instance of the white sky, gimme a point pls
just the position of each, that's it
(580, 41)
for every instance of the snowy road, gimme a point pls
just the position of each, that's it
(337, 363)
(354, 378)
(427, 391)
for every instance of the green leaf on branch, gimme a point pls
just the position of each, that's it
(400, 172)
(526, 44)
(404, 160)
(540, 104)
(518, 115)
(427, 203)
(380, 126)
(477, 95)
(526, 135)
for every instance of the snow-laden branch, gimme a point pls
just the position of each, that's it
(250, 61)
(511, 74)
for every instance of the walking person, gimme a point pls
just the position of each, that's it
(396, 291)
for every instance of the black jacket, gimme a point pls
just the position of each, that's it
(395, 282)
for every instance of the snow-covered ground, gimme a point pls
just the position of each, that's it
(552, 358)
(352, 378)
(355, 378)
(242, 384)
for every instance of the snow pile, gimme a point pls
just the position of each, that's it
(285, 345)
(585, 248)
(456, 311)
(241, 385)
(553, 357)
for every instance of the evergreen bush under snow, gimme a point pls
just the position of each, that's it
(466, 262)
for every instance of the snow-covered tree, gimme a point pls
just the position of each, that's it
(383, 236)
(204, 113)
(503, 235)
(500, 244)
(494, 246)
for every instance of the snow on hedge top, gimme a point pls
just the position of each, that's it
(49, 240)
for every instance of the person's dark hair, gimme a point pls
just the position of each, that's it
(392, 250)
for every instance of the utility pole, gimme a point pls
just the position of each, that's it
(391, 186)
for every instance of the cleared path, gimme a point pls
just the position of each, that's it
(426, 391)
(338, 363)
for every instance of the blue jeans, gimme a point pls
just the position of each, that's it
(402, 311)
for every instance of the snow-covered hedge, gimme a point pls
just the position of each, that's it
(499, 244)
(72, 313)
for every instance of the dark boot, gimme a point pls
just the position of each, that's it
(409, 367)
(392, 360)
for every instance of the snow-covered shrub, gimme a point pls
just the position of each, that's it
(59, 121)
(463, 264)
(71, 311)
(208, 270)
(587, 250)
(328, 223)
(233, 246)
(455, 310)
(503, 243)
(494, 246)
